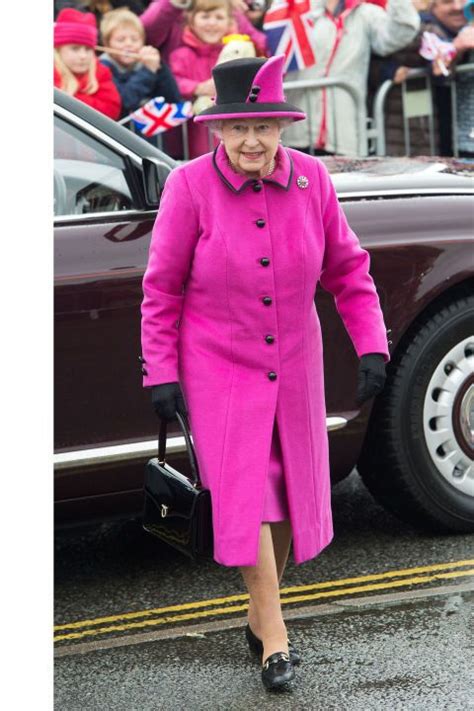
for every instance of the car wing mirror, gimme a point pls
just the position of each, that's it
(155, 173)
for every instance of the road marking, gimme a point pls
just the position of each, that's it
(347, 606)
(283, 591)
(217, 609)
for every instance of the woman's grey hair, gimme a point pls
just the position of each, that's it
(216, 126)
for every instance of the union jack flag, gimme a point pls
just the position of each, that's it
(288, 25)
(157, 116)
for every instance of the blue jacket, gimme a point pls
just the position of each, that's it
(139, 84)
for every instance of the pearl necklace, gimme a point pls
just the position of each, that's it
(270, 169)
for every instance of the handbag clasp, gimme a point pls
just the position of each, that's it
(164, 510)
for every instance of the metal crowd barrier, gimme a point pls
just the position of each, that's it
(416, 103)
(309, 86)
(461, 69)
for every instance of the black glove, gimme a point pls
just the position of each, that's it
(371, 377)
(168, 399)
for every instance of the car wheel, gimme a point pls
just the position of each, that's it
(418, 455)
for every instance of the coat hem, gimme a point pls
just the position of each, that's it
(252, 562)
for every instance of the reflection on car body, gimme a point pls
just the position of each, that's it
(414, 448)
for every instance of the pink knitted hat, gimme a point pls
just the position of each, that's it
(74, 27)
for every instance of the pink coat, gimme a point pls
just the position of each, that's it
(191, 64)
(204, 324)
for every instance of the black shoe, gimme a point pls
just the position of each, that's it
(256, 646)
(277, 672)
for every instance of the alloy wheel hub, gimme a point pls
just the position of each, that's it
(448, 417)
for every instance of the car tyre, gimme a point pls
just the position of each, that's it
(418, 455)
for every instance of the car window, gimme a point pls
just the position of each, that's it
(88, 176)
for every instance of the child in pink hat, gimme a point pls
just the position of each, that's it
(76, 69)
(208, 21)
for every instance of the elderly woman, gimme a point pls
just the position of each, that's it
(242, 238)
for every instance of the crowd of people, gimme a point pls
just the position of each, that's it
(115, 55)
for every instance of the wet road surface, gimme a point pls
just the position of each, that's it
(384, 619)
(415, 655)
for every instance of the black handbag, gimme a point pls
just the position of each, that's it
(177, 509)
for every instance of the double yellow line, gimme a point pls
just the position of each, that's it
(294, 594)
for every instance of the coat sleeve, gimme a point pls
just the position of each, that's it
(159, 18)
(174, 238)
(393, 28)
(345, 274)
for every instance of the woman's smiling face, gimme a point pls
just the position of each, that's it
(251, 143)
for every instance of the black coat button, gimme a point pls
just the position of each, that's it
(267, 300)
(141, 359)
(260, 222)
(257, 187)
(264, 261)
(144, 372)
(272, 375)
(270, 339)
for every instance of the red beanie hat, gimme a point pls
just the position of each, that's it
(74, 27)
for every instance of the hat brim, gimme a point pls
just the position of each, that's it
(248, 110)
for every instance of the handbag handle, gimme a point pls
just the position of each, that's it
(182, 421)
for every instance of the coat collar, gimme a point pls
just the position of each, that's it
(236, 182)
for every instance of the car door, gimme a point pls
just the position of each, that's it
(102, 233)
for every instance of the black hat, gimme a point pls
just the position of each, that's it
(250, 87)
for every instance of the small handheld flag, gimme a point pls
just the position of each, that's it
(288, 25)
(157, 116)
(435, 49)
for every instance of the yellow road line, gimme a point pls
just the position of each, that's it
(381, 576)
(244, 596)
(418, 580)
(381, 586)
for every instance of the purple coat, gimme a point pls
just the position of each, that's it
(210, 301)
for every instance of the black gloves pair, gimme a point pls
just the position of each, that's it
(168, 398)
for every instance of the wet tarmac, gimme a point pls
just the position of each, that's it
(404, 648)
(118, 567)
(412, 656)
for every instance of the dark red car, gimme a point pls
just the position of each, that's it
(414, 447)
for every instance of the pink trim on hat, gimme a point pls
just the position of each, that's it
(269, 79)
(296, 115)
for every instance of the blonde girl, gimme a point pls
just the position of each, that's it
(76, 70)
